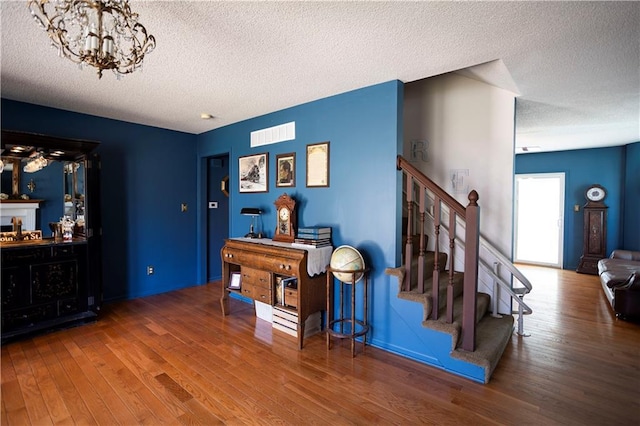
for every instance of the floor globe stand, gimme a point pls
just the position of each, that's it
(357, 327)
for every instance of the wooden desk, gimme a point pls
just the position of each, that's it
(259, 262)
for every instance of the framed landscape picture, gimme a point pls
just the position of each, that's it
(254, 173)
(286, 169)
(318, 165)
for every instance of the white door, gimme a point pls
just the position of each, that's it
(539, 208)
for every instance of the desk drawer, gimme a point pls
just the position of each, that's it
(282, 265)
(291, 297)
(257, 293)
(238, 256)
(263, 295)
(255, 277)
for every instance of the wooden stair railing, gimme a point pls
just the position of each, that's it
(417, 184)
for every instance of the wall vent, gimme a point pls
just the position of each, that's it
(275, 134)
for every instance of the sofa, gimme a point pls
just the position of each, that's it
(620, 279)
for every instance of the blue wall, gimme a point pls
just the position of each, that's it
(605, 166)
(631, 236)
(146, 173)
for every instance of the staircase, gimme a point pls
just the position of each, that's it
(450, 299)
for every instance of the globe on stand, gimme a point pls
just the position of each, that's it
(347, 258)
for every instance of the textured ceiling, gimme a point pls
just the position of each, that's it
(574, 65)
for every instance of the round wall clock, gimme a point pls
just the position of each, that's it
(285, 219)
(595, 193)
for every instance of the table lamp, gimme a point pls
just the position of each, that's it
(253, 212)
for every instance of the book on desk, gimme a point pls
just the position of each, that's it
(313, 236)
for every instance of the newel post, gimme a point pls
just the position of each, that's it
(472, 247)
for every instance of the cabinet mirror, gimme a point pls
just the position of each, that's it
(50, 171)
(74, 191)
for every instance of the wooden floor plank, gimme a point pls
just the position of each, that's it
(107, 394)
(34, 402)
(64, 383)
(174, 359)
(55, 404)
(108, 368)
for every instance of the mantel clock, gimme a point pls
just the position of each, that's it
(285, 219)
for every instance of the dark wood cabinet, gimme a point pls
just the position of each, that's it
(49, 283)
(44, 286)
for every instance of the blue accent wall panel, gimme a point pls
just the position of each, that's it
(604, 166)
(147, 172)
(631, 234)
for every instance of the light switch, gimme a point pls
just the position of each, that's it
(213, 204)
(576, 207)
(183, 207)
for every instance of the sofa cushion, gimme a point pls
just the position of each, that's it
(626, 254)
(616, 271)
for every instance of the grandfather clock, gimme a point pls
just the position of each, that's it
(594, 246)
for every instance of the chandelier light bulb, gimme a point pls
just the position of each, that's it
(102, 34)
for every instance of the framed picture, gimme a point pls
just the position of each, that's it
(318, 165)
(234, 281)
(254, 173)
(286, 169)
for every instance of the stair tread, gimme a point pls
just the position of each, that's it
(492, 336)
(482, 308)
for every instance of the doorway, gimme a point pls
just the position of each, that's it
(217, 206)
(539, 219)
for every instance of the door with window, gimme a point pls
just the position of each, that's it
(539, 219)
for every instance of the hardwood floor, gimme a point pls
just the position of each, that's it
(173, 359)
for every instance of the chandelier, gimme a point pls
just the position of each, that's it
(103, 34)
(36, 163)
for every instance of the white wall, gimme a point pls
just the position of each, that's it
(469, 125)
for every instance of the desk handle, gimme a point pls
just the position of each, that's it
(228, 255)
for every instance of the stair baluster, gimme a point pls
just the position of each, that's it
(435, 294)
(409, 244)
(422, 252)
(452, 247)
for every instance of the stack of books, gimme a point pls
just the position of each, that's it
(287, 321)
(313, 236)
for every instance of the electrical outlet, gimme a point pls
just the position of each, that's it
(149, 270)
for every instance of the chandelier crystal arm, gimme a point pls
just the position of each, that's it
(103, 34)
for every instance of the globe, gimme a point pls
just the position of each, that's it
(347, 258)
